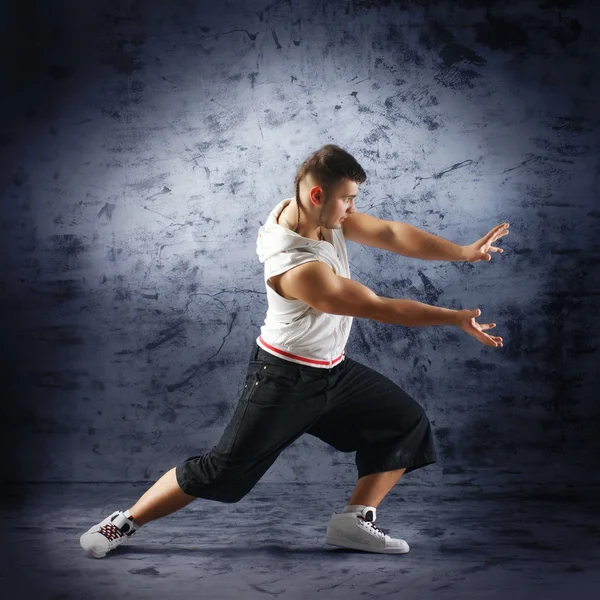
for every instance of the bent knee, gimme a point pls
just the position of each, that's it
(204, 477)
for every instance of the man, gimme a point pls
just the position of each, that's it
(299, 379)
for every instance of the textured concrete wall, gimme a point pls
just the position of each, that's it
(145, 143)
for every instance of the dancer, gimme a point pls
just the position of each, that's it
(300, 380)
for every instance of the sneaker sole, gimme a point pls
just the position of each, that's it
(332, 540)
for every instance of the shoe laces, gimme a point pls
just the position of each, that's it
(111, 532)
(372, 525)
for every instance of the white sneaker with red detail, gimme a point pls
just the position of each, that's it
(108, 534)
(357, 530)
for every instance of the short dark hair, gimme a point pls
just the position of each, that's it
(329, 165)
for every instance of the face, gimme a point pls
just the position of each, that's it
(338, 204)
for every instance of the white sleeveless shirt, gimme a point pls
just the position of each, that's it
(293, 330)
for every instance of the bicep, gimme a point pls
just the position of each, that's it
(317, 285)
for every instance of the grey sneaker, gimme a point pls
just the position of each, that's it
(108, 534)
(357, 530)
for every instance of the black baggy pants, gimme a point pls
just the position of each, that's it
(350, 406)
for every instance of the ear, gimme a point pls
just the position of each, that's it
(317, 196)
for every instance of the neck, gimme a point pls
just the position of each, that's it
(297, 226)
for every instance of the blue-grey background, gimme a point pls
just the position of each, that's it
(144, 143)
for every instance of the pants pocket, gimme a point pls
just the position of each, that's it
(229, 435)
(282, 377)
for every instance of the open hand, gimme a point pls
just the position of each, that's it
(466, 321)
(480, 249)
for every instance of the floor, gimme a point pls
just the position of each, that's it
(466, 542)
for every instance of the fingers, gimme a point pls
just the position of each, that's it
(497, 229)
(497, 232)
(495, 341)
(477, 329)
(489, 340)
(501, 233)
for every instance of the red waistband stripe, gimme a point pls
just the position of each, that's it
(308, 361)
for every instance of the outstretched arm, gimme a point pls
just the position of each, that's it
(413, 242)
(316, 285)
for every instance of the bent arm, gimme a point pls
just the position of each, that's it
(315, 284)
